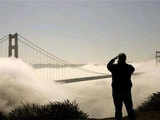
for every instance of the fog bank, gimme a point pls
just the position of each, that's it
(20, 83)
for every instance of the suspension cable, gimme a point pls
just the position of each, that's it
(52, 56)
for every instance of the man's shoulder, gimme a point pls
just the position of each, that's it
(131, 68)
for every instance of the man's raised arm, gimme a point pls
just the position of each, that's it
(111, 63)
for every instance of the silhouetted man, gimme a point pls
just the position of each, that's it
(121, 86)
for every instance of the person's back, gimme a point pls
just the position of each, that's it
(121, 85)
(121, 75)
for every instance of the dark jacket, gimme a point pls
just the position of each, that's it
(121, 75)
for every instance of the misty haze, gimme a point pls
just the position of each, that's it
(23, 85)
(76, 54)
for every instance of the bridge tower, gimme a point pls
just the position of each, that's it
(157, 56)
(13, 45)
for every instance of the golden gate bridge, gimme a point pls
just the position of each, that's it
(49, 66)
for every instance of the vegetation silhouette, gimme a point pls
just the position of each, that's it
(53, 111)
(151, 104)
(149, 110)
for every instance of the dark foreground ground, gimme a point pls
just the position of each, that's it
(152, 115)
(149, 110)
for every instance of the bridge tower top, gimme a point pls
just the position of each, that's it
(13, 45)
(157, 56)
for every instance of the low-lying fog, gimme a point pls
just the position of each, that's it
(20, 83)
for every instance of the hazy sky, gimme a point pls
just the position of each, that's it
(86, 30)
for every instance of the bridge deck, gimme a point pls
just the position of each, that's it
(73, 80)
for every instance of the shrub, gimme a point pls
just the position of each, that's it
(53, 111)
(152, 104)
(2, 116)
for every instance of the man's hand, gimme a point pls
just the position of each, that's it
(115, 58)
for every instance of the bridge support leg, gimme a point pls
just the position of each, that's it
(13, 45)
(157, 57)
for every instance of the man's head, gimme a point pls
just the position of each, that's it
(122, 58)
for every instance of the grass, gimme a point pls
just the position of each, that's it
(152, 104)
(53, 111)
(148, 110)
(66, 110)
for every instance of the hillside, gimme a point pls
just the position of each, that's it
(150, 115)
(149, 110)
